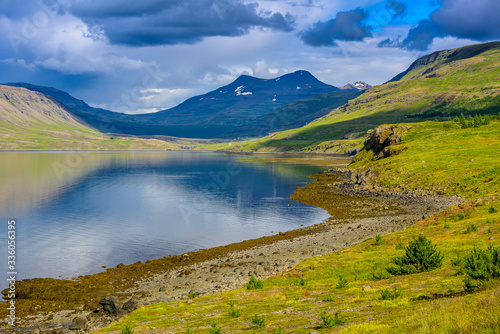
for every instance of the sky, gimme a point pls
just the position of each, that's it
(144, 56)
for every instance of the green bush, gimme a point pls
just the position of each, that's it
(328, 298)
(329, 321)
(378, 240)
(279, 331)
(258, 322)
(127, 330)
(215, 329)
(387, 294)
(380, 274)
(420, 255)
(470, 228)
(302, 281)
(342, 283)
(254, 284)
(480, 265)
(234, 313)
(192, 295)
(492, 210)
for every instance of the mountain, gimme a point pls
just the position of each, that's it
(216, 114)
(222, 111)
(441, 85)
(295, 114)
(358, 85)
(32, 120)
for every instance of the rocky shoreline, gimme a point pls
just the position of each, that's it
(357, 211)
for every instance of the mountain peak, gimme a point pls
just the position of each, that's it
(358, 85)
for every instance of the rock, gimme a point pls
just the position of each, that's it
(36, 331)
(79, 323)
(131, 305)
(110, 304)
(366, 288)
(354, 151)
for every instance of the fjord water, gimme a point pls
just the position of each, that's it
(79, 211)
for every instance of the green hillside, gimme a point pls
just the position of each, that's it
(439, 86)
(31, 120)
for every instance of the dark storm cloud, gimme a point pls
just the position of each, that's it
(346, 26)
(156, 22)
(399, 8)
(477, 20)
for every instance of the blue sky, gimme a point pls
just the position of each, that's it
(149, 55)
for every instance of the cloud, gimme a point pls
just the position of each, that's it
(399, 8)
(157, 22)
(346, 26)
(476, 20)
(262, 70)
(455, 18)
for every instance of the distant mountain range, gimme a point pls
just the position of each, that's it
(439, 86)
(241, 108)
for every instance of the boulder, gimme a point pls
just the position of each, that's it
(110, 304)
(132, 304)
(79, 323)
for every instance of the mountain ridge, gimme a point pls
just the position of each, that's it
(216, 114)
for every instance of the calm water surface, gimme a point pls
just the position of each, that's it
(77, 212)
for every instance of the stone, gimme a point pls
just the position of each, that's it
(132, 304)
(79, 323)
(110, 304)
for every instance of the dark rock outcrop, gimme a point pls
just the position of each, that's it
(380, 139)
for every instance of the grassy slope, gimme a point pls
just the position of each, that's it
(30, 120)
(432, 302)
(446, 86)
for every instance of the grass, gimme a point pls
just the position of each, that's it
(417, 303)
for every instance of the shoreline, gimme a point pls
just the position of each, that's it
(358, 213)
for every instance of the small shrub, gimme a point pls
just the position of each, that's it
(192, 295)
(489, 231)
(387, 294)
(258, 322)
(127, 330)
(492, 210)
(328, 298)
(480, 265)
(461, 216)
(215, 329)
(231, 303)
(254, 284)
(342, 283)
(470, 228)
(302, 281)
(400, 245)
(279, 331)
(380, 274)
(420, 255)
(378, 240)
(329, 321)
(234, 313)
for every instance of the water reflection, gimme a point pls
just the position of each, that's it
(79, 211)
